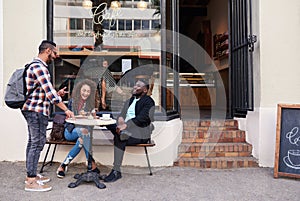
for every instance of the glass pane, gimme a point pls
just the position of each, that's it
(128, 24)
(122, 37)
(73, 24)
(88, 24)
(121, 24)
(155, 24)
(137, 24)
(113, 25)
(105, 24)
(79, 24)
(145, 24)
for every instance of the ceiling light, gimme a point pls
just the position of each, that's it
(87, 4)
(115, 5)
(142, 5)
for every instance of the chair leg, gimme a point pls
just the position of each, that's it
(53, 154)
(148, 161)
(44, 162)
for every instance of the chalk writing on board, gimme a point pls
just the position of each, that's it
(294, 136)
(292, 159)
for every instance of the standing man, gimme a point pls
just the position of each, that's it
(36, 112)
(133, 125)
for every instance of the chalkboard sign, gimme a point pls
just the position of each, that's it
(287, 155)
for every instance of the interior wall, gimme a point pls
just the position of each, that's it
(217, 13)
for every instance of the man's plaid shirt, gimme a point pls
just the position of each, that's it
(44, 94)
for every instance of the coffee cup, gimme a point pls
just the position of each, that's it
(106, 116)
(294, 157)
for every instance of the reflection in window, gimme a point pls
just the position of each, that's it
(121, 24)
(129, 25)
(73, 33)
(60, 24)
(137, 24)
(105, 24)
(88, 24)
(145, 24)
(76, 24)
(155, 24)
(113, 25)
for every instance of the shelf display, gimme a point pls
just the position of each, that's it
(221, 45)
(193, 79)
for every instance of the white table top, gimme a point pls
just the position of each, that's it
(91, 122)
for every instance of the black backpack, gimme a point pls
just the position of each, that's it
(15, 94)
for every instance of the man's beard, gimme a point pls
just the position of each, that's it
(49, 60)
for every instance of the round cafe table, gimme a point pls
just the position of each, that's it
(89, 175)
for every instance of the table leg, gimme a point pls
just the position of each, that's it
(89, 175)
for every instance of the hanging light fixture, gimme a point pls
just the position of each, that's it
(142, 5)
(115, 5)
(87, 4)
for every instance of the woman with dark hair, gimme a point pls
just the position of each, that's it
(81, 103)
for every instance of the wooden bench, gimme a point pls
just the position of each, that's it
(55, 143)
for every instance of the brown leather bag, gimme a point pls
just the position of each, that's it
(58, 128)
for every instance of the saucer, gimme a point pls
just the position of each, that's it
(288, 163)
(105, 119)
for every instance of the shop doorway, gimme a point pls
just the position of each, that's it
(223, 29)
(206, 23)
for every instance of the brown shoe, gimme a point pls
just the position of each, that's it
(40, 178)
(37, 186)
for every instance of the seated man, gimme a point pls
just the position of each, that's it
(133, 125)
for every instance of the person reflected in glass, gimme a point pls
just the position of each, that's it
(82, 102)
(106, 86)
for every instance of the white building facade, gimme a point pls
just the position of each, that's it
(275, 80)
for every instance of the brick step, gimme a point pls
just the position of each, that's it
(217, 162)
(196, 150)
(209, 123)
(213, 136)
(207, 128)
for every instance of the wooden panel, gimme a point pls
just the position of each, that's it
(193, 97)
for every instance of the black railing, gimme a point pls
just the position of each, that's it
(241, 69)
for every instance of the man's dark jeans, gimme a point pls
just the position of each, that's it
(119, 146)
(37, 126)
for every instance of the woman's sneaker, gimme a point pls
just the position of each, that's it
(62, 173)
(37, 186)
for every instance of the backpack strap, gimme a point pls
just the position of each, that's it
(24, 81)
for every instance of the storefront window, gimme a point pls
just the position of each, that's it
(128, 38)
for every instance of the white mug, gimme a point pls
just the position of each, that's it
(106, 116)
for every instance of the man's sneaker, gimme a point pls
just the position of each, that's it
(124, 135)
(40, 178)
(113, 176)
(37, 186)
(96, 170)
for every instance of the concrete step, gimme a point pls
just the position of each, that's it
(217, 162)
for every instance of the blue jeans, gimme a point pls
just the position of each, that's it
(37, 126)
(73, 136)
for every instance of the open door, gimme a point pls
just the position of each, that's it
(241, 62)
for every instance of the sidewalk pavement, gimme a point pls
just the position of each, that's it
(170, 183)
